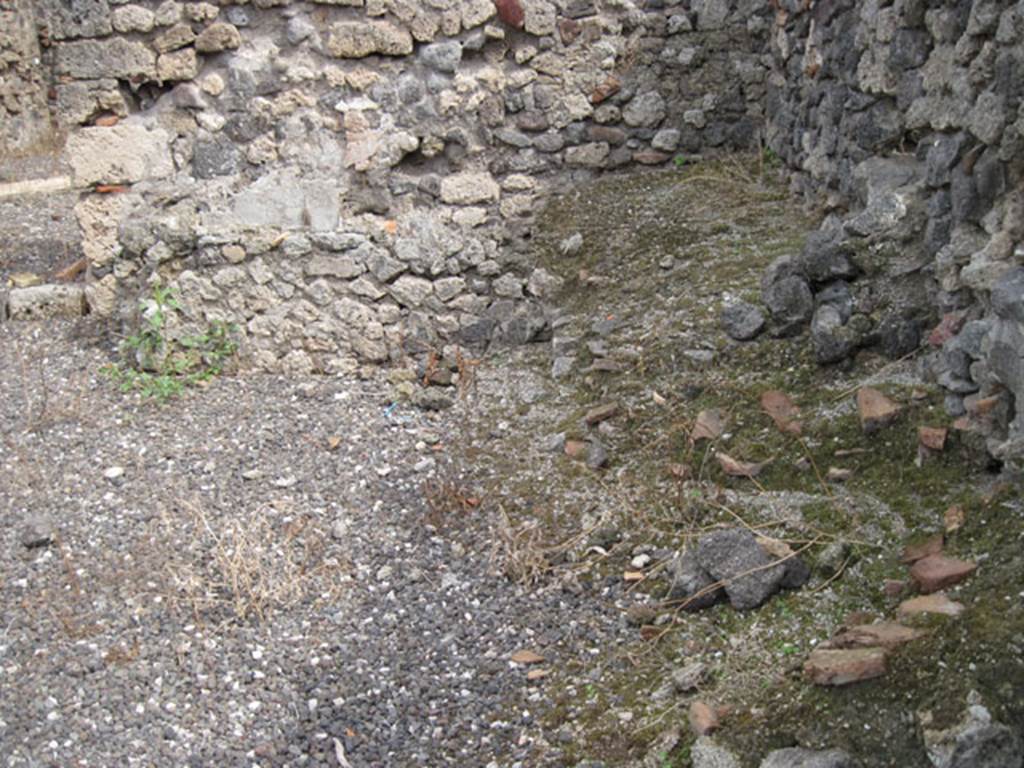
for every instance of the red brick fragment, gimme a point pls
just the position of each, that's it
(842, 667)
(511, 12)
(936, 572)
(914, 552)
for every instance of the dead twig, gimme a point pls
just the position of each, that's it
(834, 576)
(868, 379)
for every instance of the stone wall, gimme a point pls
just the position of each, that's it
(24, 113)
(354, 180)
(905, 119)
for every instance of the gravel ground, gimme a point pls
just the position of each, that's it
(297, 571)
(252, 575)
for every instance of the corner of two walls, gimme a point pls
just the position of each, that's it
(353, 181)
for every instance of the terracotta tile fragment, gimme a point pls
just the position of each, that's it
(936, 603)
(841, 667)
(932, 438)
(876, 410)
(703, 718)
(605, 90)
(936, 572)
(914, 552)
(575, 449)
(886, 634)
(600, 413)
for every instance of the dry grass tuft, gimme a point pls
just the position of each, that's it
(525, 553)
(519, 551)
(250, 565)
(448, 498)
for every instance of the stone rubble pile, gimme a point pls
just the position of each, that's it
(907, 117)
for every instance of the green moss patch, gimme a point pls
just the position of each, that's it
(660, 253)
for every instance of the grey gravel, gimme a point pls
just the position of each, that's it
(707, 753)
(597, 455)
(689, 677)
(38, 530)
(398, 648)
(688, 579)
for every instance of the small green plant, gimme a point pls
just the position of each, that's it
(680, 759)
(770, 158)
(785, 611)
(680, 161)
(160, 367)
